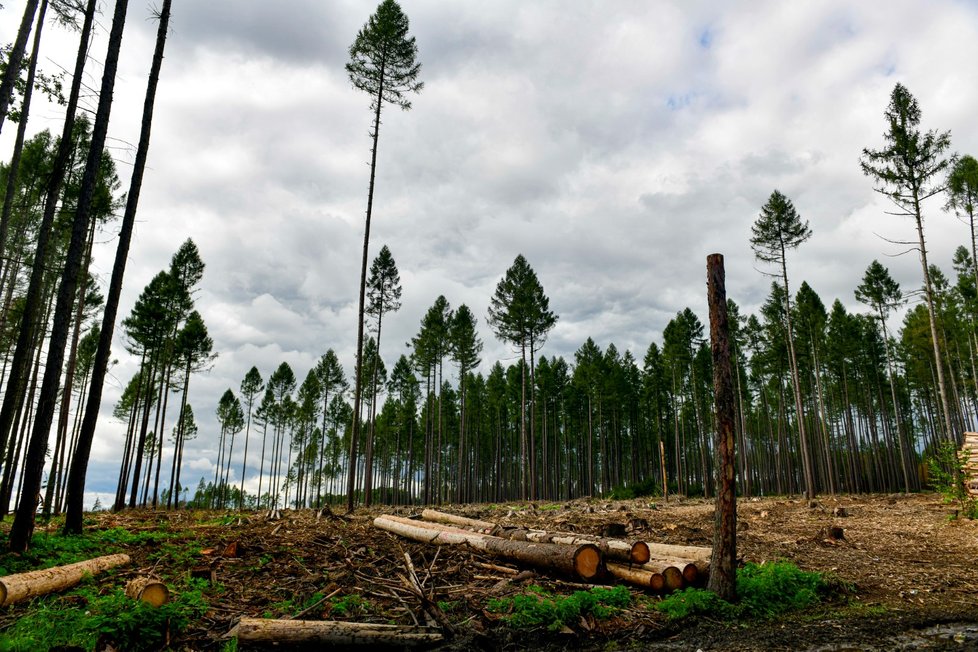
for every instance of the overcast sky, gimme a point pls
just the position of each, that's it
(614, 144)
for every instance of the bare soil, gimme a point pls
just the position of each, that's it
(911, 573)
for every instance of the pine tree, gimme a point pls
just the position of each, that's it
(382, 64)
(383, 296)
(251, 387)
(962, 190)
(908, 170)
(777, 229)
(23, 526)
(519, 313)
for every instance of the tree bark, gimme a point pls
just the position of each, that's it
(723, 579)
(22, 586)
(635, 553)
(324, 632)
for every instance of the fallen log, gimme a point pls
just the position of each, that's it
(584, 561)
(290, 633)
(485, 527)
(641, 577)
(22, 586)
(635, 553)
(694, 572)
(680, 552)
(149, 590)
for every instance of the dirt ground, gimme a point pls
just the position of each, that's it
(913, 573)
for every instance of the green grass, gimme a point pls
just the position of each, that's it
(56, 549)
(764, 591)
(538, 608)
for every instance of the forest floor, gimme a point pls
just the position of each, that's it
(910, 573)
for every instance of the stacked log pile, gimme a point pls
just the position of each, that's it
(653, 566)
(970, 451)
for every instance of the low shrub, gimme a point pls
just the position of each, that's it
(538, 608)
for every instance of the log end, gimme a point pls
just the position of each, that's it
(690, 573)
(641, 553)
(588, 562)
(150, 591)
(673, 577)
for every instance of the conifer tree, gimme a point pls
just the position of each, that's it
(251, 387)
(23, 526)
(519, 313)
(383, 64)
(882, 294)
(908, 170)
(777, 229)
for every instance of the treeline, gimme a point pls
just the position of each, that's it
(827, 400)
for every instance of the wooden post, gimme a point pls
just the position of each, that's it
(723, 564)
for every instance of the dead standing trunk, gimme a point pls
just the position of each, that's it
(723, 578)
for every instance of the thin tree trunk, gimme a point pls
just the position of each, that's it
(355, 432)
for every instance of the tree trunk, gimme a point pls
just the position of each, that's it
(14, 588)
(723, 581)
(355, 432)
(79, 466)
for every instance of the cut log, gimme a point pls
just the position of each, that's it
(641, 577)
(695, 572)
(442, 517)
(584, 562)
(634, 553)
(22, 586)
(148, 590)
(291, 633)
(680, 552)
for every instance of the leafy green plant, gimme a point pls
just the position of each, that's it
(945, 469)
(538, 608)
(764, 591)
(83, 617)
(349, 605)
